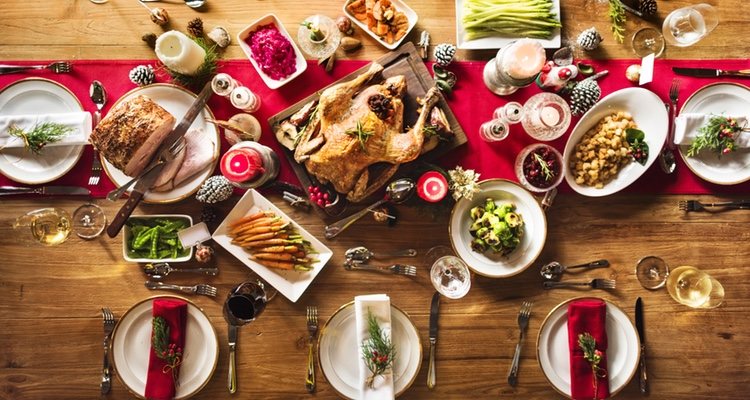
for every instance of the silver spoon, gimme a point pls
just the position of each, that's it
(553, 270)
(157, 271)
(362, 254)
(189, 3)
(666, 157)
(397, 192)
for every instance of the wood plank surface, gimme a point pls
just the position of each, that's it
(50, 298)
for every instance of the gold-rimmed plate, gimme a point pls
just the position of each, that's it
(176, 101)
(131, 344)
(532, 241)
(339, 352)
(36, 96)
(553, 354)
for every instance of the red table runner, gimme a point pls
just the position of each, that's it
(471, 102)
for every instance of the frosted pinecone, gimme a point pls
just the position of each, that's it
(584, 95)
(444, 53)
(142, 75)
(215, 189)
(589, 39)
(647, 7)
(195, 27)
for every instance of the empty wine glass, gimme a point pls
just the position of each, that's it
(651, 272)
(449, 274)
(89, 221)
(687, 25)
(647, 41)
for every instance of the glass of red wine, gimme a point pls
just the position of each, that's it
(246, 302)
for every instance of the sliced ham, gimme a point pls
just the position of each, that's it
(197, 156)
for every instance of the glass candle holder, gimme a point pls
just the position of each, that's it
(318, 36)
(515, 66)
(546, 116)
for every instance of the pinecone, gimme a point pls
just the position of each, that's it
(444, 53)
(584, 95)
(216, 188)
(142, 75)
(589, 39)
(209, 215)
(647, 7)
(150, 39)
(195, 27)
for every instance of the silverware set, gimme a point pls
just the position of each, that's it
(159, 271)
(45, 190)
(357, 256)
(397, 269)
(524, 314)
(201, 288)
(597, 283)
(58, 67)
(695, 205)
(312, 329)
(109, 325)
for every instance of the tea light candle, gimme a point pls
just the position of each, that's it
(524, 59)
(549, 116)
(179, 53)
(244, 99)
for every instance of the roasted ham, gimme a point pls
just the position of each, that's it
(197, 155)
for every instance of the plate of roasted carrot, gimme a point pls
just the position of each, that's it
(271, 244)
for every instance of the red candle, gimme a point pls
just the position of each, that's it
(241, 165)
(432, 186)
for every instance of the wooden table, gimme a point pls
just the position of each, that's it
(51, 297)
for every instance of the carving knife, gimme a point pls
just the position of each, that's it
(232, 381)
(711, 73)
(147, 180)
(45, 190)
(434, 312)
(642, 377)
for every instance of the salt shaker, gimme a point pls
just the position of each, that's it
(244, 99)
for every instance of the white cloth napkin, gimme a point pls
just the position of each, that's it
(79, 121)
(686, 127)
(380, 307)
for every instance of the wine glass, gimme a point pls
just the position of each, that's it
(246, 302)
(449, 274)
(48, 226)
(687, 25)
(647, 41)
(652, 272)
(694, 288)
(89, 221)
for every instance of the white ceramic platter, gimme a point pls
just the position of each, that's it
(496, 42)
(553, 351)
(532, 241)
(176, 101)
(728, 99)
(131, 343)
(400, 6)
(289, 283)
(36, 96)
(339, 351)
(649, 114)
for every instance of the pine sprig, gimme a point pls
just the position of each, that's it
(378, 351)
(548, 174)
(361, 134)
(169, 352)
(587, 343)
(617, 18)
(717, 135)
(206, 71)
(40, 135)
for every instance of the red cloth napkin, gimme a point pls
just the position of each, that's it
(587, 316)
(159, 384)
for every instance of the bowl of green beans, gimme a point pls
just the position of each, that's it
(153, 238)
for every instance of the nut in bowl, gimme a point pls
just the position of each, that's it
(387, 21)
(153, 238)
(524, 241)
(594, 136)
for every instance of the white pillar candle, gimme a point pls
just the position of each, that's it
(179, 53)
(524, 59)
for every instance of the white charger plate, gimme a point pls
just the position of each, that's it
(176, 101)
(339, 351)
(728, 99)
(410, 14)
(131, 342)
(496, 42)
(37, 96)
(649, 114)
(553, 354)
(291, 284)
(532, 241)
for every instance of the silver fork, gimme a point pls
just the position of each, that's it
(674, 95)
(58, 67)
(594, 283)
(667, 156)
(523, 322)
(165, 157)
(312, 328)
(201, 288)
(398, 269)
(109, 326)
(695, 205)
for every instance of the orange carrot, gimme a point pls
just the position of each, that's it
(247, 227)
(255, 238)
(276, 264)
(249, 218)
(278, 249)
(273, 256)
(272, 242)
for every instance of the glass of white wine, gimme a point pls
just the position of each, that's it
(48, 226)
(687, 25)
(694, 288)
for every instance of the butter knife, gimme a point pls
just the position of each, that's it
(147, 180)
(232, 381)
(642, 377)
(711, 72)
(434, 312)
(45, 190)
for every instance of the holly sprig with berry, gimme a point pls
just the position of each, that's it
(718, 135)
(587, 343)
(169, 352)
(638, 146)
(378, 351)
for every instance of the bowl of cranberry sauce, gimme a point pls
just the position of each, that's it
(539, 167)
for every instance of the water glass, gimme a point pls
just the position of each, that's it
(686, 26)
(694, 288)
(652, 272)
(546, 116)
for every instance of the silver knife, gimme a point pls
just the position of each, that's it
(232, 382)
(434, 312)
(45, 190)
(642, 377)
(711, 72)
(147, 180)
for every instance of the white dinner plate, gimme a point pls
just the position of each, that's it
(339, 351)
(131, 343)
(553, 352)
(649, 114)
(36, 96)
(496, 42)
(176, 101)
(728, 99)
(291, 284)
(532, 242)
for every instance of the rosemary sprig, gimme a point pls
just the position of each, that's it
(378, 351)
(361, 134)
(717, 135)
(588, 344)
(169, 352)
(548, 174)
(617, 18)
(41, 135)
